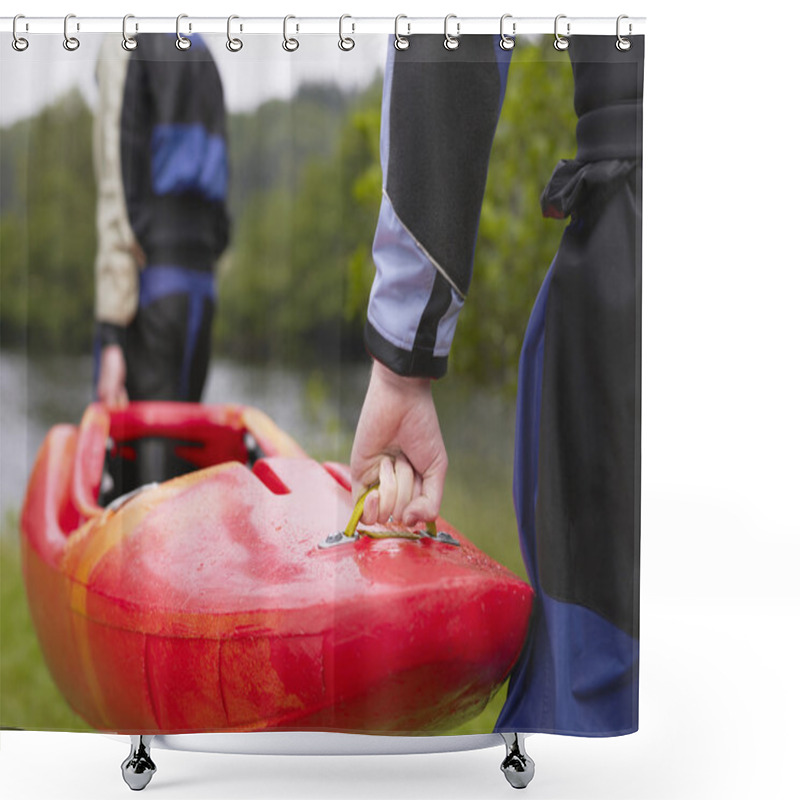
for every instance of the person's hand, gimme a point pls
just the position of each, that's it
(111, 380)
(398, 443)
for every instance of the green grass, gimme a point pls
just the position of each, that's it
(28, 697)
(485, 721)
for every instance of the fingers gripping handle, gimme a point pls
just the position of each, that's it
(352, 532)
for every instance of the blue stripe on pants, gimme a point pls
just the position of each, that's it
(160, 281)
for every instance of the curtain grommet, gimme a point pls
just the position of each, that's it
(507, 42)
(71, 43)
(181, 41)
(561, 43)
(622, 44)
(401, 42)
(233, 44)
(451, 42)
(346, 43)
(129, 43)
(19, 43)
(289, 44)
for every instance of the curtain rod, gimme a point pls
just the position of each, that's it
(347, 25)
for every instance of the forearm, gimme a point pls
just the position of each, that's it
(112, 376)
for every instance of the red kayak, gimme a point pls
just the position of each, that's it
(226, 599)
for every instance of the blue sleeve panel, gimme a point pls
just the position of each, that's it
(187, 158)
(440, 112)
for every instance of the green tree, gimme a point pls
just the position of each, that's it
(286, 287)
(47, 230)
(515, 243)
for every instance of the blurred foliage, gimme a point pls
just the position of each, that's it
(515, 243)
(305, 195)
(284, 289)
(47, 228)
(270, 146)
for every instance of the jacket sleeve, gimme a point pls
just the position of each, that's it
(439, 114)
(116, 272)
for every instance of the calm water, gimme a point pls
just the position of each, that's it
(318, 407)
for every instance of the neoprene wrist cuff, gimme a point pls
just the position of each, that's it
(108, 333)
(418, 363)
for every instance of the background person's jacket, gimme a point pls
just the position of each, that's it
(161, 162)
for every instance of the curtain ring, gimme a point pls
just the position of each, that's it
(622, 43)
(561, 42)
(346, 43)
(18, 43)
(128, 42)
(451, 42)
(181, 42)
(507, 42)
(70, 42)
(289, 45)
(233, 44)
(401, 42)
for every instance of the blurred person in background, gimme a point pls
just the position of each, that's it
(161, 162)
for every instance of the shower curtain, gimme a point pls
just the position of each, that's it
(269, 308)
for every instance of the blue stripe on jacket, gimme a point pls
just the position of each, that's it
(187, 158)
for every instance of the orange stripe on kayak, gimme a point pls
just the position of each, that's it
(80, 632)
(98, 539)
(104, 534)
(91, 543)
(110, 530)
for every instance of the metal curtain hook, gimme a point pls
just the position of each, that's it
(128, 42)
(346, 43)
(289, 44)
(507, 42)
(561, 42)
(233, 44)
(451, 42)
(401, 42)
(622, 43)
(70, 42)
(18, 43)
(181, 42)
